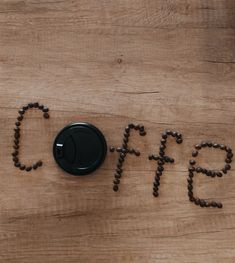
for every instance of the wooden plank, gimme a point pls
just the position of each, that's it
(166, 64)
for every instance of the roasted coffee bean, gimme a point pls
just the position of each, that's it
(21, 111)
(17, 164)
(191, 168)
(17, 123)
(30, 105)
(15, 153)
(16, 147)
(15, 159)
(222, 147)
(219, 205)
(45, 109)
(142, 133)
(190, 180)
(192, 162)
(20, 118)
(179, 141)
(203, 144)
(28, 168)
(216, 145)
(118, 176)
(155, 194)
(227, 167)
(168, 132)
(137, 153)
(230, 155)
(227, 160)
(156, 183)
(228, 149)
(160, 162)
(163, 141)
(191, 174)
(160, 168)
(164, 135)
(191, 199)
(213, 204)
(224, 170)
(22, 167)
(197, 146)
(198, 169)
(209, 144)
(46, 115)
(202, 203)
(116, 181)
(190, 193)
(195, 153)
(24, 109)
(150, 157)
(118, 149)
(39, 163)
(219, 174)
(190, 187)
(41, 107)
(162, 147)
(112, 149)
(158, 173)
(36, 105)
(197, 201)
(115, 188)
(35, 166)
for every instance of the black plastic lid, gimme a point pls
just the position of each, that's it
(80, 148)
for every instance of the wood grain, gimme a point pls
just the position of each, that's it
(166, 64)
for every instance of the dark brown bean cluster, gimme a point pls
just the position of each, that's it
(124, 150)
(192, 169)
(16, 146)
(162, 158)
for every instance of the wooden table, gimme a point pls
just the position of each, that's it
(166, 64)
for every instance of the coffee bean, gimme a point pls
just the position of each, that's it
(155, 194)
(203, 144)
(230, 155)
(227, 167)
(22, 167)
(179, 141)
(20, 118)
(209, 144)
(192, 162)
(24, 108)
(112, 149)
(195, 153)
(35, 166)
(28, 168)
(30, 105)
(215, 145)
(191, 174)
(137, 153)
(39, 163)
(219, 174)
(164, 135)
(15, 159)
(198, 169)
(21, 111)
(115, 188)
(227, 160)
(116, 181)
(17, 164)
(17, 123)
(45, 109)
(36, 105)
(46, 115)
(198, 147)
(222, 147)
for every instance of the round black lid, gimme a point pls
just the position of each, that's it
(79, 148)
